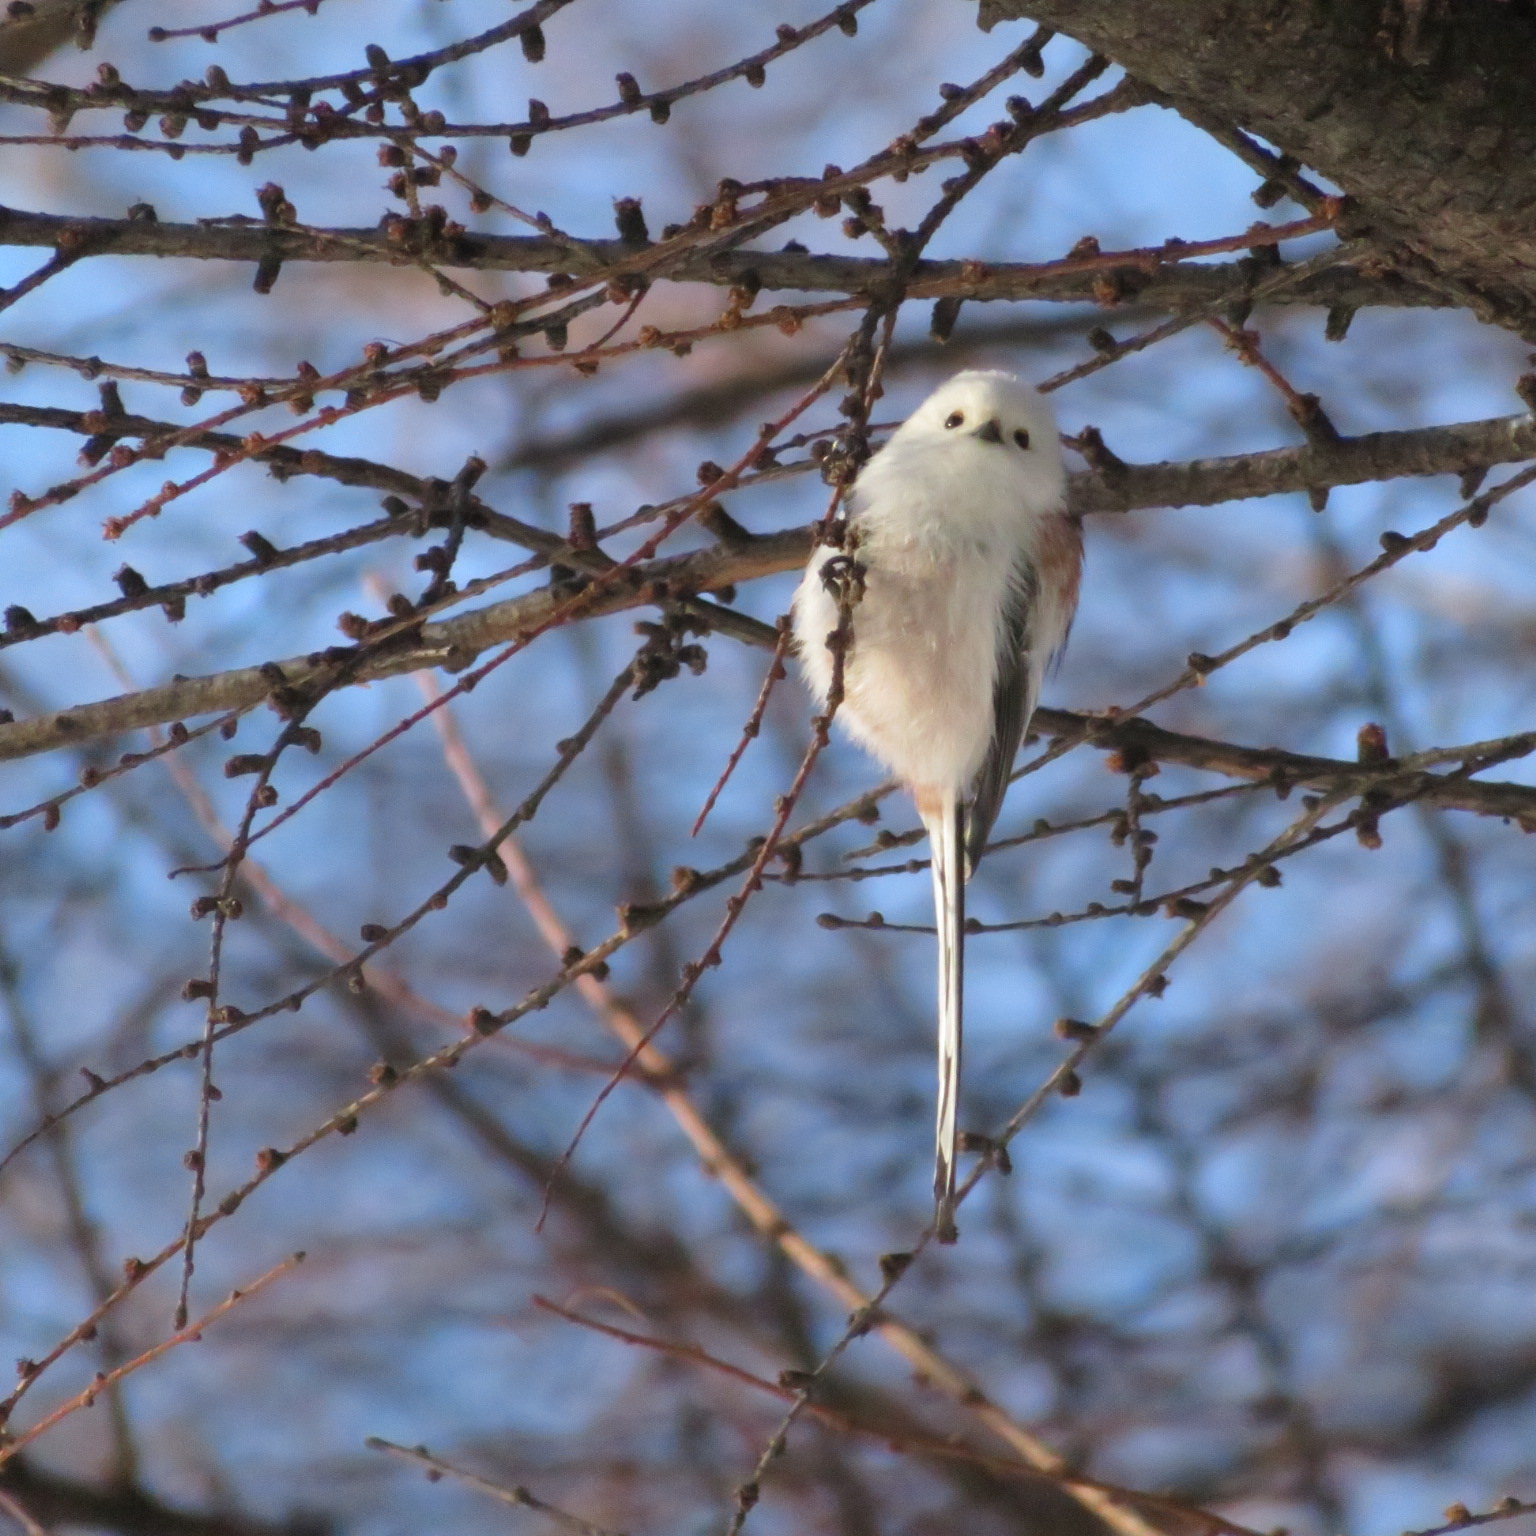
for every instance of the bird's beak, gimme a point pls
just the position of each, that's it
(989, 432)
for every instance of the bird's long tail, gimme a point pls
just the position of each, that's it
(946, 837)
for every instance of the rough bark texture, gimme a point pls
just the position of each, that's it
(28, 37)
(1429, 126)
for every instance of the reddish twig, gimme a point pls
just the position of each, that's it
(15, 1444)
(776, 673)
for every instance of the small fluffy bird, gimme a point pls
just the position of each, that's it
(970, 568)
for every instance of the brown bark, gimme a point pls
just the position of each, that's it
(1460, 448)
(1174, 287)
(1429, 129)
(26, 39)
(457, 641)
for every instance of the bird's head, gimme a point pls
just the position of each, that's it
(995, 410)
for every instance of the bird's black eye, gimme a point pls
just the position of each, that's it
(955, 419)
(1021, 437)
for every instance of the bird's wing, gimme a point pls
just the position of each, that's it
(1013, 702)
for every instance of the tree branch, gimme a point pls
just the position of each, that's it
(1450, 450)
(28, 37)
(1172, 286)
(1436, 144)
(283, 463)
(1457, 449)
(455, 642)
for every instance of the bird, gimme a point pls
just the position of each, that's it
(967, 565)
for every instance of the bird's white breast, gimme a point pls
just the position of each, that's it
(940, 529)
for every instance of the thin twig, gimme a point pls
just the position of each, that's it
(13, 1445)
(518, 1495)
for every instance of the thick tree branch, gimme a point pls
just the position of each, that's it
(28, 37)
(458, 640)
(1456, 449)
(1174, 286)
(1431, 133)
(455, 642)
(1449, 450)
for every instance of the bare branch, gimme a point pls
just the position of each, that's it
(454, 643)
(189, 1334)
(519, 1495)
(1448, 176)
(1175, 286)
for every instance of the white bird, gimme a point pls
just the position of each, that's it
(970, 568)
